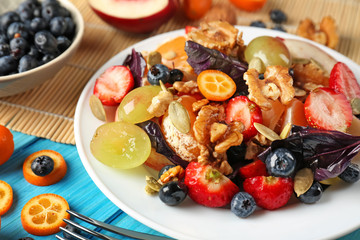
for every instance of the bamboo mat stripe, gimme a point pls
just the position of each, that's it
(48, 110)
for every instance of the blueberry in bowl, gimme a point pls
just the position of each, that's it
(37, 38)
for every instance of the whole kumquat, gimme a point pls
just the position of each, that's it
(216, 85)
(196, 9)
(6, 197)
(43, 215)
(6, 144)
(249, 5)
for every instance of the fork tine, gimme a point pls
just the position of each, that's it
(74, 235)
(60, 238)
(89, 231)
(115, 229)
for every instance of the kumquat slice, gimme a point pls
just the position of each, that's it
(216, 85)
(6, 197)
(43, 215)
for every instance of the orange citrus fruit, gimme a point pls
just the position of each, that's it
(6, 197)
(43, 215)
(53, 177)
(196, 9)
(6, 144)
(249, 5)
(216, 85)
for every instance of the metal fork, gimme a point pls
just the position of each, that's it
(114, 229)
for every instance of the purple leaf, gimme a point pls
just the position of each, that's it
(326, 152)
(137, 65)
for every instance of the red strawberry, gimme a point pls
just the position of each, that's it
(327, 109)
(242, 109)
(112, 86)
(343, 80)
(189, 29)
(256, 168)
(269, 192)
(207, 186)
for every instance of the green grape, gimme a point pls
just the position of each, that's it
(133, 108)
(120, 145)
(272, 51)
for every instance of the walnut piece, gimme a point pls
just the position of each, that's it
(160, 103)
(218, 35)
(186, 87)
(221, 12)
(196, 106)
(309, 73)
(256, 146)
(173, 174)
(217, 130)
(232, 139)
(326, 34)
(277, 83)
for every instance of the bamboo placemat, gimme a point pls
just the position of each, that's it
(48, 110)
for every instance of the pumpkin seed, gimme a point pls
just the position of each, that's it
(179, 117)
(153, 58)
(331, 181)
(257, 64)
(149, 190)
(153, 183)
(286, 131)
(303, 180)
(267, 132)
(97, 108)
(355, 105)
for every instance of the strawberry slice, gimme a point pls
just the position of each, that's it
(343, 80)
(327, 109)
(189, 29)
(254, 169)
(242, 109)
(207, 186)
(112, 86)
(269, 192)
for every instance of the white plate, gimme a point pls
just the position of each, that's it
(336, 214)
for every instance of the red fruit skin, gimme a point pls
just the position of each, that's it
(269, 192)
(241, 109)
(205, 192)
(343, 80)
(112, 86)
(335, 114)
(254, 169)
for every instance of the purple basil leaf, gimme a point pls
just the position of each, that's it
(201, 58)
(137, 65)
(326, 152)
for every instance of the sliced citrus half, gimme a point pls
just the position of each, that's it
(53, 177)
(6, 197)
(43, 215)
(216, 85)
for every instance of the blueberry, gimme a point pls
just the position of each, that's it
(42, 165)
(351, 174)
(3, 38)
(70, 27)
(50, 11)
(26, 238)
(164, 169)
(157, 73)
(73, 229)
(243, 204)
(49, 2)
(63, 43)
(278, 27)
(261, 76)
(175, 75)
(37, 12)
(278, 16)
(236, 153)
(173, 193)
(280, 163)
(4, 49)
(8, 64)
(58, 26)
(291, 72)
(37, 24)
(19, 47)
(45, 42)
(27, 62)
(17, 28)
(8, 18)
(258, 23)
(25, 11)
(47, 58)
(63, 12)
(34, 51)
(313, 194)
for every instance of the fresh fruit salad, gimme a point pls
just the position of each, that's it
(228, 124)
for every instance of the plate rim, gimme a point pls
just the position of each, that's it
(108, 193)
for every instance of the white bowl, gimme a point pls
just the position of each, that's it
(20, 82)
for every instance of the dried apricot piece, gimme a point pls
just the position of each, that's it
(6, 144)
(56, 174)
(6, 197)
(43, 215)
